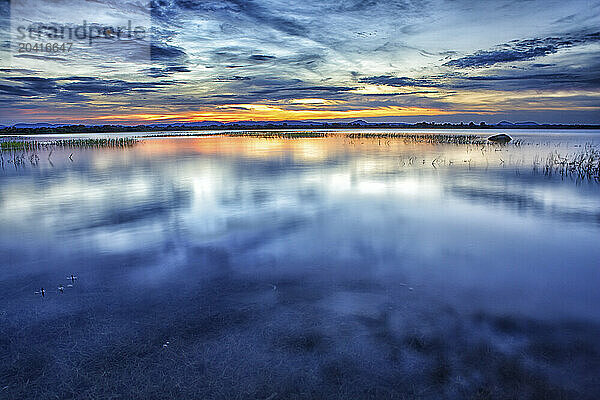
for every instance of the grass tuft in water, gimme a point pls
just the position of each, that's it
(23, 145)
(277, 134)
(422, 138)
(583, 165)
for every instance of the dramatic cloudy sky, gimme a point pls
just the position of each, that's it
(225, 60)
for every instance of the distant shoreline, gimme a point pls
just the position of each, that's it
(16, 130)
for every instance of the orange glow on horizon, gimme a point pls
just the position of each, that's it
(260, 112)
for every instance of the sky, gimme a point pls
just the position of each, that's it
(274, 60)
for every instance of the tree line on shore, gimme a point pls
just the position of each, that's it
(80, 128)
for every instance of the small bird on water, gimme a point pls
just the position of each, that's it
(61, 288)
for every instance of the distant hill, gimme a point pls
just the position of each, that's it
(527, 123)
(507, 123)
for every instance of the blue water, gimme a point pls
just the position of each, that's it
(255, 268)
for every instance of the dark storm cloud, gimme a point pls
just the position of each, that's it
(390, 5)
(31, 86)
(554, 77)
(63, 87)
(261, 57)
(487, 58)
(108, 86)
(158, 72)
(390, 80)
(400, 94)
(233, 56)
(236, 56)
(232, 78)
(19, 71)
(247, 89)
(165, 53)
(14, 91)
(578, 72)
(241, 57)
(252, 89)
(522, 50)
(26, 88)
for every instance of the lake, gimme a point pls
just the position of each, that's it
(262, 267)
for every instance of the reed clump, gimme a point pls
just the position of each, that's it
(277, 134)
(35, 145)
(582, 165)
(16, 145)
(407, 137)
(421, 138)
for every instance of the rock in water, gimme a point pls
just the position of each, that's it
(500, 138)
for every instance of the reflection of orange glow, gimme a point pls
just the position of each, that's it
(262, 148)
(306, 149)
(259, 112)
(258, 148)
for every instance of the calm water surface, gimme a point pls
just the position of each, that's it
(254, 268)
